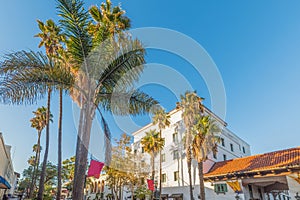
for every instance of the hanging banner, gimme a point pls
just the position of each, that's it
(95, 169)
(150, 184)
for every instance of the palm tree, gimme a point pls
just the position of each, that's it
(162, 119)
(52, 39)
(191, 107)
(98, 72)
(38, 122)
(94, 78)
(27, 77)
(108, 21)
(152, 144)
(205, 141)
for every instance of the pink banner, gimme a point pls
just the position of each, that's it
(95, 168)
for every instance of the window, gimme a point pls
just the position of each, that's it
(224, 157)
(143, 163)
(175, 155)
(223, 142)
(244, 151)
(175, 137)
(163, 178)
(163, 157)
(231, 147)
(250, 191)
(142, 181)
(220, 188)
(215, 155)
(143, 150)
(176, 176)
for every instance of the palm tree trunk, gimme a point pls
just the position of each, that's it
(189, 165)
(83, 139)
(59, 157)
(36, 166)
(153, 171)
(43, 173)
(201, 181)
(160, 168)
(33, 177)
(189, 161)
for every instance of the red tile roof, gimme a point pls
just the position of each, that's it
(260, 162)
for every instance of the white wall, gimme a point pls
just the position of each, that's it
(6, 166)
(171, 165)
(294, 187)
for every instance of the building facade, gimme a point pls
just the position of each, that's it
(8, 178)
(174, 165)
(268, 176)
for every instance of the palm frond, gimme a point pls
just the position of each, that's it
(124, 103)
(95, 13)
(107, 139)
(26, 75)
(75, 20)
(23, 60)
(115, 64)
(17, 90)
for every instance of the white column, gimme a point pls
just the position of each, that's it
(294, 187)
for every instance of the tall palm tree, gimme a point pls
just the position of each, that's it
(53, 39)
(27, 77)
(191, 106)
(162, 119)
(204, 142)
(98, 71)
(39, 123)
(152, 144)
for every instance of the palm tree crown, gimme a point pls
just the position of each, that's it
(39, 122)
(152, 143)
(161, 118)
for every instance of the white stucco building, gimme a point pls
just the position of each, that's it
(232, 173)
(8, 178)
(174, 166)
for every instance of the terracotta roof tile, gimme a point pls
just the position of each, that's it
(260, 162)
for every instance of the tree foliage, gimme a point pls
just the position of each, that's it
(127, 169)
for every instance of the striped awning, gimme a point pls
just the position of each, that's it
(4, 184)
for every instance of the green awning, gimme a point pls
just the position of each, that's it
(177, 195)
(4, 184)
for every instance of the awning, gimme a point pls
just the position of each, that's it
(235, 186)
(177, 195)
(4, 184)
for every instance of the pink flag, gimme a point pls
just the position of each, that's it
(95, 169)
(150, 184)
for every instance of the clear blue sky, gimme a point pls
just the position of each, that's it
(255, 44)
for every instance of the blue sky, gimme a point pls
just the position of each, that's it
(255, 45)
